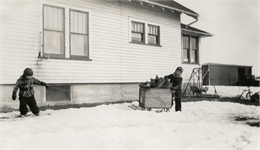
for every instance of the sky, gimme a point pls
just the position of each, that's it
(201, 125)
(235, 26)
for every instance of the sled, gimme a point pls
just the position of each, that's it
(150, 98)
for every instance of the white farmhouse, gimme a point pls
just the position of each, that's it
(92, 51)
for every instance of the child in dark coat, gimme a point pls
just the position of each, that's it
(26, 93)
(176, 81)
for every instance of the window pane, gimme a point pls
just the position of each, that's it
(53, 18)
(53, 42)
(137, 37)
(79, 45)
(185, 55)
(185, 42)
(137, 27)
(58, 93)
(153, 30)
(153, 39)
(193, 56)
(193, 43)
(79, 22)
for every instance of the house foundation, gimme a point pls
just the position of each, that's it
(60, 94)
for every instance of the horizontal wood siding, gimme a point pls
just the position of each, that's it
(114, 59)
(19, 48)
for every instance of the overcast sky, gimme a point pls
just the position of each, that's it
(240, 17)
(235, 26)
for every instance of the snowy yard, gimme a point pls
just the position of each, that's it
(201, 125)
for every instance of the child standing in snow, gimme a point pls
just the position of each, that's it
(26, 93)
(176, 81)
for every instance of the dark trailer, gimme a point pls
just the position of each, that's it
(229, 75)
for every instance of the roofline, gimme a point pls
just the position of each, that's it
(172, 8)
(206, 34)
(219, 64)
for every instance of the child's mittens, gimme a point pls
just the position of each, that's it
(173, 88)
(14, 96)
(45, 84)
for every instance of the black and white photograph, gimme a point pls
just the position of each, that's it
(129, 74)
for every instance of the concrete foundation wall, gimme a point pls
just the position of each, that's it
(80, 93)
(6, 92)
(92, 93)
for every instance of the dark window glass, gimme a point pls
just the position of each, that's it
(190, 49)
(137, 30)
(153, 34)
(58, 93)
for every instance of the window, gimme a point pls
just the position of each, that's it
(189, 49)
(78, 34)
(153, 35)
(186, 47)
(144, 33)
(194, 50)
(68, 39)
(58, 93)
(53, 31)
(138, 32)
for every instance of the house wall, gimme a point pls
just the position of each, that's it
(6, 96)
(117, 65)
(114, 59)
(93, 93)
(188, 68)
(80, 93)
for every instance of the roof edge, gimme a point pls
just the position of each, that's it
(206, 34)
(195, 31)
(220, 64)
(193, 15)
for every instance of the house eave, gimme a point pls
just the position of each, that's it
(189, 13)
(196, 33)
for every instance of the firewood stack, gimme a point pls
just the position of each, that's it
(157, 82)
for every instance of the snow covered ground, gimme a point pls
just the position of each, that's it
(201, 125)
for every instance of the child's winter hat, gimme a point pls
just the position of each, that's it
(180, 69)
(28, 72)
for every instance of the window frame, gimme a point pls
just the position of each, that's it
(189, 50)
(195, 50)
(157, 36)
(66, 87)
(146, 35)
(67, 44)
(51, 55)
(78, 57)
(186, 49)
(142, 34)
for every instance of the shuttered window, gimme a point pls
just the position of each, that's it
(190, 49)
(53, 31)
(138, 33)
(79, 44)
(153, 34)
